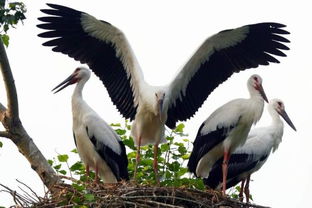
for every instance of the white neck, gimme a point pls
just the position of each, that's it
(277, 126)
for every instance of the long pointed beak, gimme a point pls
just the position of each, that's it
(64, 84)
(262, 93)
(287, 119)
(160, 108)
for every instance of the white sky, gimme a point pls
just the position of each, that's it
(163, 35)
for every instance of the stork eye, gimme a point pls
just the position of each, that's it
(280, 103)
(77, 70)
(256, 79)
(156, 95)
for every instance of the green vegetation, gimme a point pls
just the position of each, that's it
(11, 13)
(172, 158)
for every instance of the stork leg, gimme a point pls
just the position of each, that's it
(241, 191)
(155, 163)
(96, 174)
(246, 190)
(137, 158)
(87, 172)
(225, 170)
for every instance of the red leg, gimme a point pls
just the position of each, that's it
(96, 174)
(247, 194)
(241, 197)
(155, 163)
(137, 158)
(87, 170)
(225, 170)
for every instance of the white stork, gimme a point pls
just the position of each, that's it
(98, 145)
(249, 158)
(108, 54)
(226, 129)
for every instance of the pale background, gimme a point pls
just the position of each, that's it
(163, 35)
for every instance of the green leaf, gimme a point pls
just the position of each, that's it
(57, 167)
(169, 138)
(78, 187)
(182, 171)
(74, 150)
(179, 128)
(77, 166)
(62, 158)
(129, 143)
(115, 124)
(128, 127)
(234, 196)
(89, 197)
(250, 197)
(131, 155)
(1, 144)
(5, 39)
(182, 150)
(237, 188)
(185, 157)
(77, 200)
(63, 172)
(50, 162)
(164, 147)
(174, 166)
(120, 131)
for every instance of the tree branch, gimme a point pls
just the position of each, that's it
(9, 83)
(15, 131)
(5, 134)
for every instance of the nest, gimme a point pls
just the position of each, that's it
(127, 195)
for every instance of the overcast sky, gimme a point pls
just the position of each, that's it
(163, 35)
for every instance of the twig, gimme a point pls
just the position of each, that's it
(160, 203)
(30, 189)
(146, 196)
(5, 134)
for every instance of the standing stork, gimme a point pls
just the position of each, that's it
(249, 158)
(105, 49)
(98, 145)
(226, 129)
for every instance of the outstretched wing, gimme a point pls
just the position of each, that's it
(103, 47)
(217, 59)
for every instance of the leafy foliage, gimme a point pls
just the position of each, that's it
(172, 158)
(234, 193)
(10, 14)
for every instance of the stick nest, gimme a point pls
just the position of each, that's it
(125, 195)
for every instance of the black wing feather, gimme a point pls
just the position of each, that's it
(204, 143)
(117, 163)
(68, 37)
(238, 164)
(262, 41)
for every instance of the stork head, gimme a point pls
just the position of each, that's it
(255, 85)
(160, 97)
(279, 107)
(80, 74)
